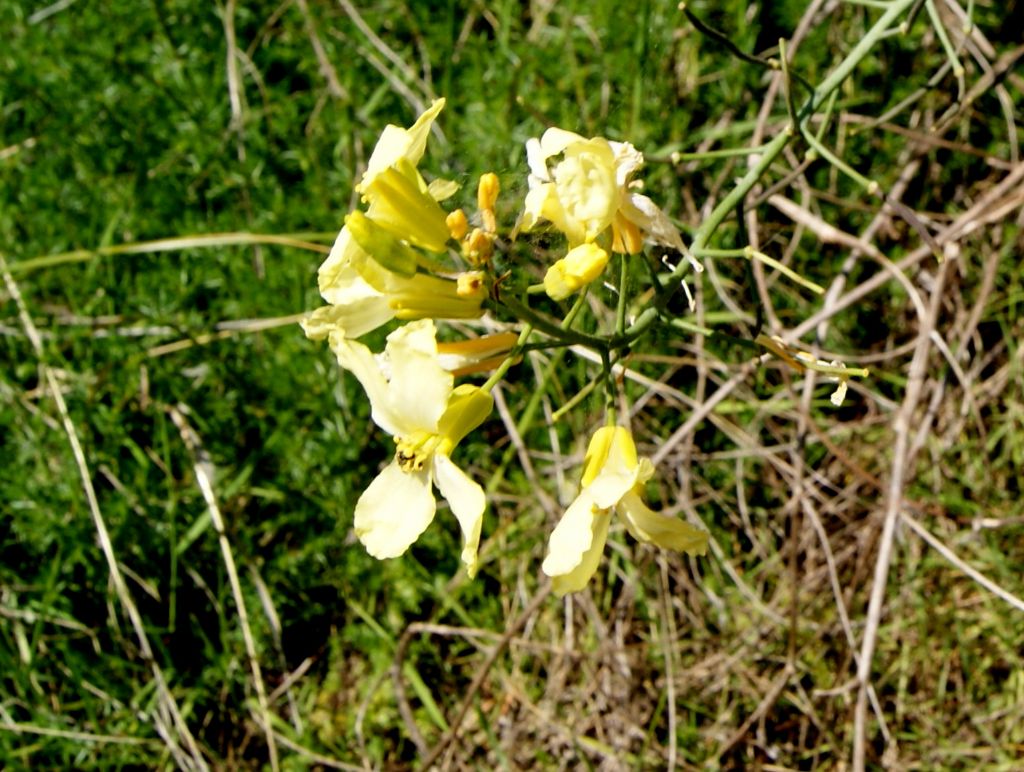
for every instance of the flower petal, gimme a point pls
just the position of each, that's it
(351, 319)
(442, 190)
(541, 204)
(400, 202)
(537, 162)
(585, 180)
(393, 512)
(467, 500)
(576, 544)
(359, 360)
(653, 222)
(396, 143)
(572, 537)
(619, 470)
(555, 140)
(468, 407)
(333, 271)
(627, 160)
(419, 387)
(423, 296)
(665, 531)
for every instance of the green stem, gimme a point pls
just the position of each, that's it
(549, 327)
(771, 151)
(820, 149)
(575, 400)
(947, 46)
(507, 362)
(620, 310)
(576, 308)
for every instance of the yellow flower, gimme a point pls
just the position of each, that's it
(579, 195)
(398, 144)
(613, 478)
(591, 190)
(362, 294)
(581, 266)
(413, 399)
(400, 201)
(398, 197)
(355, 306)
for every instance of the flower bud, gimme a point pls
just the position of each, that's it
(574, 271)
(487, 191)
(470, 284)
(478, 248)
(458, 225)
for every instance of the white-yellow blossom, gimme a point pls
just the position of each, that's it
(362, 295)
(398, 144)
(370, 275)
(413, 399)
(399, 199)
(613, 479)
(591, 190)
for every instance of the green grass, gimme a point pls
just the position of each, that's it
(117, 127)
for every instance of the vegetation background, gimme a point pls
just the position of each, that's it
(201, 600)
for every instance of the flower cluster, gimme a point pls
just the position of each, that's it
(384, 264)
(403, 258)
(590, 195)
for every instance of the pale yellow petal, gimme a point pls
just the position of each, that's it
(556, 140)
(468, 407)
(349, 286)
(587, 191)
(572, 537)
(425, 296)
(420, 131)
(467, 501)
(577, 579)
(537, 162)
(627, 161)
(839, 394)
(335, 270)
(541, 203)
(396, 143)
(662, 530)
(393, 512)
(400, 202)
(597, 453)
(359, 360)
(611, 466)
(576, 545)
(652, 222)
(351, 319)
(419, 387)
(442, 190)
